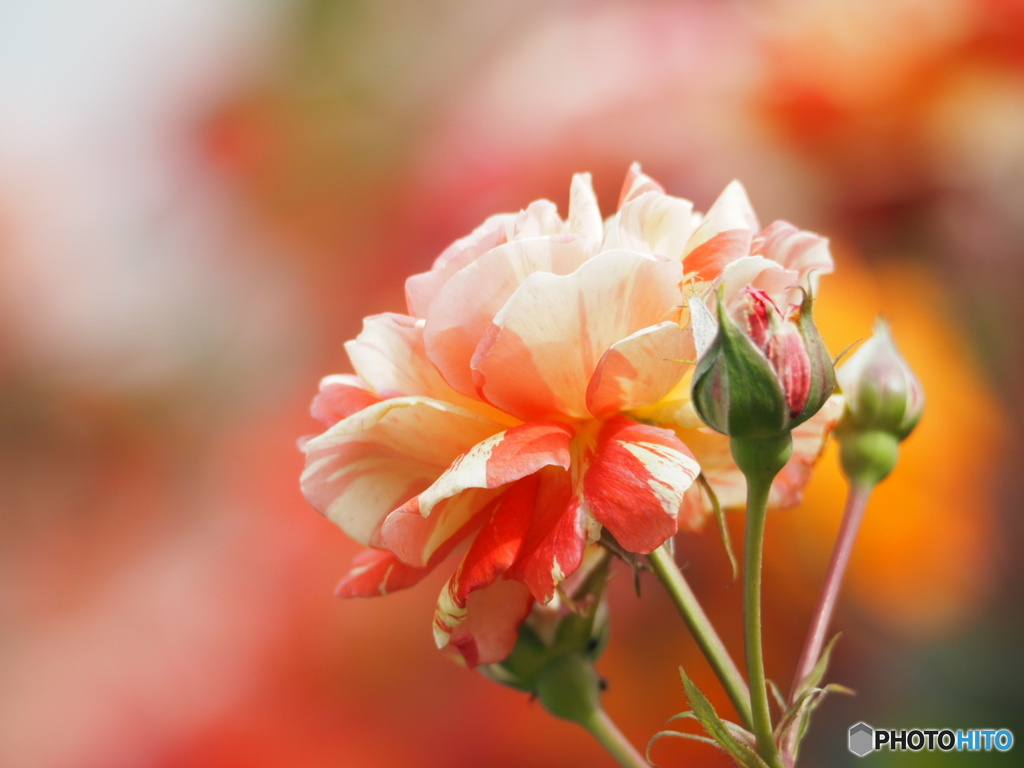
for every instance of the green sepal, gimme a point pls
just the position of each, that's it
(823, 370)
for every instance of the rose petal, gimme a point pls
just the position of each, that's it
(463, 309)
(640, 369)
(809, 441)
(634, 481)
(375, 572)
(340, 396)
(792, 363)
(757, 272)
(558, 536)
(650, 221)
(420, 289)
(804, 253)
(389, 355)
(584, 213)
(490, 628)
(418, 528)
(637, 183)
(494, 548)
(708, 260)
(731, 212)
(537, 360)
(373, 461)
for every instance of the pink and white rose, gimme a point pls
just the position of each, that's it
(536, 395)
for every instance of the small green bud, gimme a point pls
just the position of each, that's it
(569, 687)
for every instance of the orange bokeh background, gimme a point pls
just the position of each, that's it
(200, 201)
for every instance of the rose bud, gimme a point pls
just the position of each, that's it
(884, 402)
(764, 372)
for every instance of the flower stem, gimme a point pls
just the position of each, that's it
(603, 728)
(856, 501)
(711, 645)
(760, 459)
(569, 687)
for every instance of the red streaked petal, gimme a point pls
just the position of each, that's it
(377, 459)
(340, 396)
(489, 630)
(376, 572)
(389, 355)
(418, 528)
(554, 545)
(635, 479)
(732, 211)
(640, 369)
(708, 260)
(493, 550)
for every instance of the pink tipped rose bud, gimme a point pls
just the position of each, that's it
(765, 372)
(881, 391)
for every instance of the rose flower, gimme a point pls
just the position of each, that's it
(536, 395)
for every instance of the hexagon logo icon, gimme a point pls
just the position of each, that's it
(862, 739)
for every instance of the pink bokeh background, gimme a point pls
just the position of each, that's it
(200, 201)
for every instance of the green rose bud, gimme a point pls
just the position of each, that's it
(881, 391)
(884, 402)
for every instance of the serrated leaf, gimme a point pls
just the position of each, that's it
(717, 729)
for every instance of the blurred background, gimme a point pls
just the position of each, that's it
(200, 200)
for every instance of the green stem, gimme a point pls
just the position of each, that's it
(711, 645)
(603, 729)
(569, 687)
(760, 460)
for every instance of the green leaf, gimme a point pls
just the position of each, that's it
(718, 729)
